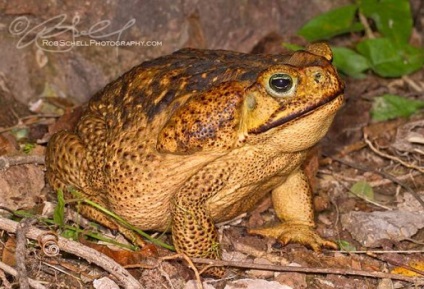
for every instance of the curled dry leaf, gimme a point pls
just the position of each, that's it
(49, 245)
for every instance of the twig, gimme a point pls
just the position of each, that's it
(165, 275)
(57, 268)
(190, 263)
(384, 182)
(395, 263)
(6, 162)
(381, 252)
(24, 125)
(9, 270)
(4, 280)
(384, 174)
(279, 268)
(21, 231)
(368, 200)
(367, 28)
(78, 249)
(414, 241)
(393, 158)
(412, 84)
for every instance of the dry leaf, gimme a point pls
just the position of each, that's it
(8, 256)
(414, 264)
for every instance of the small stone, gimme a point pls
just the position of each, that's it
(293, 279)
(105, 283)
(261, 273)
(254, 284)
(192, 284)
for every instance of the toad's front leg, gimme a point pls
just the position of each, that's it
(293, 205)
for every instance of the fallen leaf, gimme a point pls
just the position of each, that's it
(363, 189)
(254, 284)
(414, 264)
(8, 256)
(124, 257)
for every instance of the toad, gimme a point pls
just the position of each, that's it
(197, 137)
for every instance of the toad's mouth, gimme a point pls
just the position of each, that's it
(283, 116)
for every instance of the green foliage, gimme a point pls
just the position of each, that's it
(70, 232)
(20, 133)
(346, 246)
(350, 62)
(123, 222)
(59, 210)
(392, 17)
(292, 47)
(28, 147)
(389, 59)
(363, 189)
(388, 55)
(391, 106)
(335, 22)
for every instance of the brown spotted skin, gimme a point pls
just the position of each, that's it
(198, 137)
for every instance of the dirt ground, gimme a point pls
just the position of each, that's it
(380, 232)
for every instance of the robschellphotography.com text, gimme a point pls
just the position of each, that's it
(50, 35)
(82, 43)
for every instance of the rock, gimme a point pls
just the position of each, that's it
(370, 228)
(104, 283)
(263, 274)
(192, 284)
(254, 284)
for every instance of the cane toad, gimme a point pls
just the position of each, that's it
(198, 137)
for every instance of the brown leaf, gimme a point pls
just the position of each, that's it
(67, 121)
(8, 144)
(124, 257)
(8, 256)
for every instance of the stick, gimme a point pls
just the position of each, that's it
(78, 249)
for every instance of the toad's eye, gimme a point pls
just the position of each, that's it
(280, 84)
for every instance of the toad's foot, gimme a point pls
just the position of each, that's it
(292, 232)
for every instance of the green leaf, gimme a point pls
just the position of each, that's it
(59, 211)
(390, 60)
(23, 214)
(70, 234)
(126, 224)
(346, 246)
(334, 22)
(292, 47)
(350, 62)
(28, 147)
(392, 17)
(391, 106)
(20, 133)
(363, 189)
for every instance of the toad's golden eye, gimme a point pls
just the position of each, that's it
(280, 85)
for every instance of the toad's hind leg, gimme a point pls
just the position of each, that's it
(193, 229)
(67, 162)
